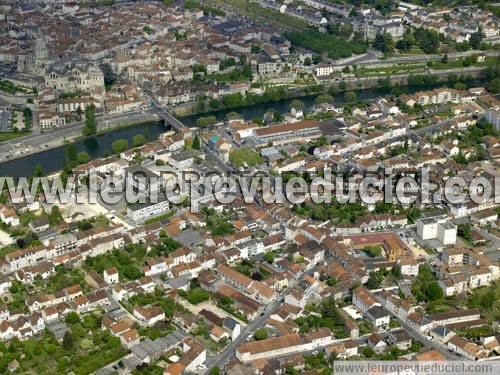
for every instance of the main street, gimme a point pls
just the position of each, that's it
(250, 329)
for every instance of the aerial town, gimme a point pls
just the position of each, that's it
(140, 93)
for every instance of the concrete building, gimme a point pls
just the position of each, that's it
(437, 228)
(140, 212)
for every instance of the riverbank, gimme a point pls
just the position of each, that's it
(442, 77)
(35, 143)
(52, 159)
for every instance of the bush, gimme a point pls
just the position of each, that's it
(260, 334)
(245, 156)
(138, 140)
(83, 157)
(367, 352)
(196, 295)
(119, 146)
(72, 318)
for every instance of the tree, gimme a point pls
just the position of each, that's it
(196, 145)
(269, 257)
(403, 45)
(260, 334)
(147, 135)
(90, 126)
(476, 39)
(494, 86)
(367, 352)
(55, 216)
(384, 43)
(324, 98)
(232, 116)
(297, 104)
(67, 343)
(373, 250)
(444, 59)
(70, 157)
(109, 75)
(27, 117)
(138, 140)
(38, 171)
(433, 291)
(215, 370)
(374, 281)
(203, 122)
(350, 96)
(463, 231)
(427, 40)
(335, 47)
(72, 318)
(119, 146)
(83, 157)
(307, 61)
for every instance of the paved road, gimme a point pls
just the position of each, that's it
(425, 58)
(249, 330)
(55, 137)
(419, 336)
(167, 116)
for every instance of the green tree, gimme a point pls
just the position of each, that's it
(384, 43)
(196, 145)
(334, 46)
(367, 352)
(269, 257)
(138, 140)
(297, 104)
(147, 135)
(27, 117)
(373, 251)
(55, 216)
(207, 121)
(90, 126)
(67, 343)
(38, 171)
(83, 157)
(374, 281)
(119, 146)
(260, 334)
(476, 39)
(70, 157)
(494, 86)
(433, 291)
(464, 231)
(324, 98)
(350, 96)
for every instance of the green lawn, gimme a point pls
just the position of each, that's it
(6, 136)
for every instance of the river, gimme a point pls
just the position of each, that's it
(53, 160)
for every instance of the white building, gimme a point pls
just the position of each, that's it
(140, 212)
(111, 276)
(447, 233)
(439, 228)
(323, 70)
